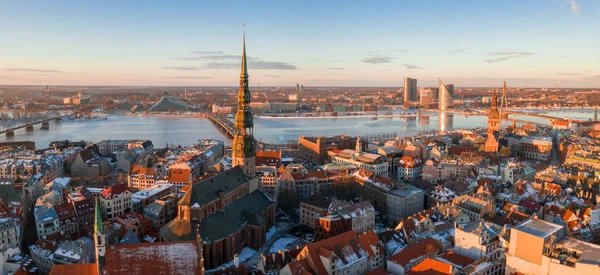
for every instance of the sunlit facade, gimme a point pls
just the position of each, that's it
(446, 95)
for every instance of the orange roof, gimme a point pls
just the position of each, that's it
(179, 174)
(269, 154)
(335, 151)
(431, 267)
(142, 170)
(561, 122)
(79, 269)
(412, 252)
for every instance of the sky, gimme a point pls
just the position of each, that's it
(470, 43)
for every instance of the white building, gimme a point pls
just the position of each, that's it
(46, 220)
(481, 240)
(410, 168)
(372, 162)
(540, 247)
(9, 228)
(115, 201)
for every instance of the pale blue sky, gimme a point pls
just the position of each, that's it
(315, 43)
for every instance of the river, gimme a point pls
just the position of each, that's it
(188, 130)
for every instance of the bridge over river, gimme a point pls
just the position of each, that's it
(8, 125)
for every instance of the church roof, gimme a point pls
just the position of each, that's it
(153, 258)
(222, 224)
(205, 191)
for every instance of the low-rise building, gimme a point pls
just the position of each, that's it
(143, 198)
(410, 168)
(474, 208)
(411, 256)
(313, 207)
(46, 220)
(9, 228)
(140, 178)
(115, 201)
(346, 253)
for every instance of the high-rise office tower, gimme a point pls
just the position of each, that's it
(425, 96)
(410, 89)
(446, 95)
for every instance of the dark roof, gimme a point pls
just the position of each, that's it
(205, 191)
(222, 224)
(9, 192)
(90, 152)
(318, 201)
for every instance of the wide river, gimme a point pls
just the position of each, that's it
(187, 130)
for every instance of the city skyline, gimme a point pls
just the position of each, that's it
(469, 44)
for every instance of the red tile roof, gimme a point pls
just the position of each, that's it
(115, 190)
(65, 211)
(70, 269)
(300, 267)
(427, 246)
(153, 258)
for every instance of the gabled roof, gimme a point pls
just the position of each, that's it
(412, 252)
(431, 267)
(207, 190)
(114, 191)
(457, 259)
(317, 200)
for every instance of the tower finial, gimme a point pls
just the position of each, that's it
(244, 72)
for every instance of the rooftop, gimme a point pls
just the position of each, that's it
(539, 228)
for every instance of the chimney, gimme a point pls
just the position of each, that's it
(236, 260)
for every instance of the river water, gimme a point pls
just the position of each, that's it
(188, 130)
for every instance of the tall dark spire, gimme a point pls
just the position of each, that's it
(244, 71)
(243, 146)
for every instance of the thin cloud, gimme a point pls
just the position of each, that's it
(335, 68)
(506, 55)
(568, 73)
(564, 56)
(207, 52)
(575, 7)
(27, 70)
(182, 68)
(459, 50)
(413, 67)
(377, 59)
(190, 77)
(270, 75)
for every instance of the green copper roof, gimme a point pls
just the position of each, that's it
(98, 224)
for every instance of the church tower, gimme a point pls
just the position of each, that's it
(491, 144)
(358, 148)
(243, 146)
(99, 239)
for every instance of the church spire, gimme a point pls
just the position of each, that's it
(596, 114)
(99, 238)
(244, 70)
(243, 146)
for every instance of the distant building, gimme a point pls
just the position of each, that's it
(446, 96)
(79, 99)
(372, 162)
(281, 107)
(315, 149)
(410, 89)
(168, 104)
